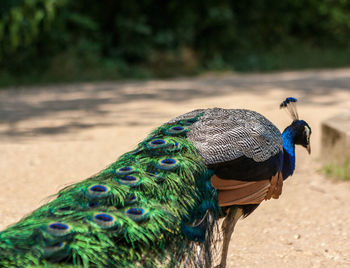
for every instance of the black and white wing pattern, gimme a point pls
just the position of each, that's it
(244, 149)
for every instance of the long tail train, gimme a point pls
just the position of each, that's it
(154, 206)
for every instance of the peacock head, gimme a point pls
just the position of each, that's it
(299, 128)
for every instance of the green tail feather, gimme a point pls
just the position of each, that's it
(131, 214)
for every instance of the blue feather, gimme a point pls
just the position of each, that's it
(288, 136)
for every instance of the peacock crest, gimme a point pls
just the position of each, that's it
(290, 105)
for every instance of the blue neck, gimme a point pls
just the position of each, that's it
(288, 136)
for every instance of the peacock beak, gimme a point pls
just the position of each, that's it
(308, 148)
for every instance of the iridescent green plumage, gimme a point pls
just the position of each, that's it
(140, 211)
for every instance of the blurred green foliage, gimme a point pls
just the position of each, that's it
(337, 171)
(65, 40)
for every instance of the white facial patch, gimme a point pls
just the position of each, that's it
(307, 132)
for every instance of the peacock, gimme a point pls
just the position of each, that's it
(161, 204)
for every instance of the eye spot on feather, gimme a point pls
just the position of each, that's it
(167, 163)
(49, 250)
(104, 220)
(157, 143)
(98, 191)
(131, 200)
(125, 170)
(137, 214)
(62, 209)
(58, 229)
(158, 146)
(129, 180)
(93, 204)
(176, 130)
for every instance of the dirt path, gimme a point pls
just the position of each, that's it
(53, 136)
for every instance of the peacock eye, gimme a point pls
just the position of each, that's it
(58, 229)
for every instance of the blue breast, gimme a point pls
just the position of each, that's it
(288, 153)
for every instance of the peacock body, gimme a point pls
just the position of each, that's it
(159, 205)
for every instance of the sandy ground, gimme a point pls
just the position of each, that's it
(53, 136)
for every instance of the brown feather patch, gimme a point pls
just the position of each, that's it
(222, 184)
(236, 192)
(278, 189)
